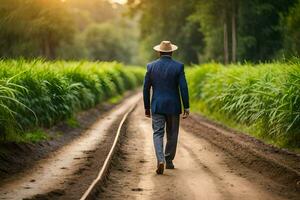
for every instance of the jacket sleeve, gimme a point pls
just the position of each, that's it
(183, 89)
(146, 90)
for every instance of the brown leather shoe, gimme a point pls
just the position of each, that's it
(160, 168)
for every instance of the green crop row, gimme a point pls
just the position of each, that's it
(262, 99)
(39, 94)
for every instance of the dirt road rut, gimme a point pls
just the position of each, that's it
(67, 173)
(202, 171)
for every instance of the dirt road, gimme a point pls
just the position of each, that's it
(67, 173)
(202, 171)
(211, 163)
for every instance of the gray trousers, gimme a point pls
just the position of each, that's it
(159, 123)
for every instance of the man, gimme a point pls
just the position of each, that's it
(167, 79)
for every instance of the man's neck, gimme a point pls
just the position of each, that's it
(165, 56)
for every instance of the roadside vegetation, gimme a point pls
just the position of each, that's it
(262, 99)
(37, 94)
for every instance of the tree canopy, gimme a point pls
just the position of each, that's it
(71, 29)
(225, 31)
(34, 27)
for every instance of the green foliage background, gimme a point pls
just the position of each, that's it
(261, 99)
(100, 30)
(39, 94)
(264, 30)
(70, 30)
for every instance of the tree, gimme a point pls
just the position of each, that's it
(213, 18)
(86, 12)
(260, 35)
(33, 28)
(291, 28)
(255, 32)
(51, 26)
(168, 20)
(105, 42)
(234, 29)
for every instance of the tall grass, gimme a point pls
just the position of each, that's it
(264, 98)
(39, 94)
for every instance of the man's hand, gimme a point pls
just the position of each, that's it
(147, 113)
(186, 113)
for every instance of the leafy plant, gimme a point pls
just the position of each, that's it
(39, 94)
(264, 96)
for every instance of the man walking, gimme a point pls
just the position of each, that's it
(167, 79)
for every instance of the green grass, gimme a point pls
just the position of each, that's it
(263, 100)
(73, 122)
(37, 94)
(30, 136)
(115, 99)
(35, 136)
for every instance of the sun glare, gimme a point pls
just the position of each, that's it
(113, 1)
(119, 1)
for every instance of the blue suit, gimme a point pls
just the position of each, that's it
(167, 79)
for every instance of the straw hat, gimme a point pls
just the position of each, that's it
(165, 46)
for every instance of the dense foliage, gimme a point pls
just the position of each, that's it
(292, 31)
(168, 20)
(34, 27)
(72, 30)
(225, 31)
(40, 94)
(265, 97)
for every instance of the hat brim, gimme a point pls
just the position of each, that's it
(157, 48)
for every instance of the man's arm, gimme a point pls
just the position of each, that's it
(184, 92)
(146, 92)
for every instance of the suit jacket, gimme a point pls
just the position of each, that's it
(167, 79)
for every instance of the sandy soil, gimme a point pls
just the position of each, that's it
(212, 162)
(70, 168)
(203, 169)
(16, 157)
